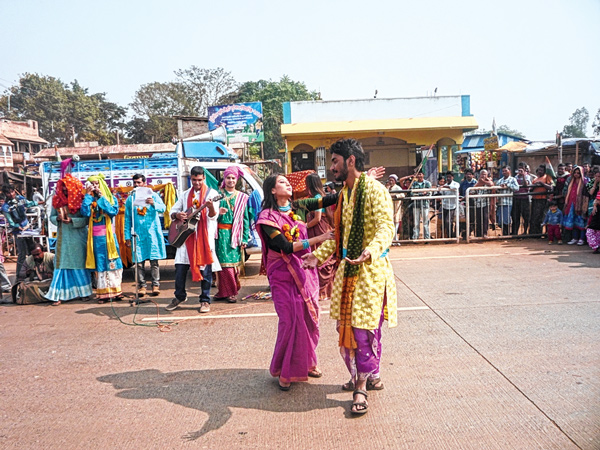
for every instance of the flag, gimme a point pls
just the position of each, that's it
(550, 170)
(423, 164)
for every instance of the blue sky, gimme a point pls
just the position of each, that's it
(528, 63)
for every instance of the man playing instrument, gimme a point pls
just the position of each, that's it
(198, 251)
(233, 234)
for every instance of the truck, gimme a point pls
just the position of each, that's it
(159, 169)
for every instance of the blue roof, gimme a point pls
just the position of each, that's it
(474, 142)
(207, 151)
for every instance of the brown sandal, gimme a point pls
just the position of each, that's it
(375, 384)
(349, 386)
(361, 407)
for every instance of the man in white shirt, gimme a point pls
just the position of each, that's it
(198, 251)
(449, 206)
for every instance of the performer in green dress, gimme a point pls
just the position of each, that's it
(232, 235)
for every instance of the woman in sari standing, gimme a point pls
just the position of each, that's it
(575, 206)
(295, 290)
(100, 205)
(319, 222)
(71, 279)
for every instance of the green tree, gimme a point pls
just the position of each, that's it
(154, 106)
(61, 109)
(578, 123)
(508, 130)
(272, 94)
(205, 87)
(596, 124)
(501, 129)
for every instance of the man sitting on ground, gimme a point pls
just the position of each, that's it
(37, 272)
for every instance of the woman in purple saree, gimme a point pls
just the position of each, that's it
(295, 291)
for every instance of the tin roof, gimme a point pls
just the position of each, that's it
(5, 141)
(21, 131)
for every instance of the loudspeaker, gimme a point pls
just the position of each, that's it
(218, 135)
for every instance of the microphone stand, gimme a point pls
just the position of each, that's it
(136, 302)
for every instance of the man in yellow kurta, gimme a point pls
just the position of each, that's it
(364, 290)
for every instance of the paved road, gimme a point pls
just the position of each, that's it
(496, 348)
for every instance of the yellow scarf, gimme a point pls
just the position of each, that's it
(90, 261)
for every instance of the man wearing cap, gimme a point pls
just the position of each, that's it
(232, 235)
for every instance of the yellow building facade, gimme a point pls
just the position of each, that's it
(393, 132)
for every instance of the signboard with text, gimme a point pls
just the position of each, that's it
(243, 121)
(491, 143)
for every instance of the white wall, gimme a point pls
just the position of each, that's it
(375, 109)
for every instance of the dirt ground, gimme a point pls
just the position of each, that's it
(496, 348)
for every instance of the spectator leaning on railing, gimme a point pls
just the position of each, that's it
(542, 185)
(508, 184)
(482, 204)
(449, 206)
(421, 207)
(522, 202)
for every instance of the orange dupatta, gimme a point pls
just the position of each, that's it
(197, 244)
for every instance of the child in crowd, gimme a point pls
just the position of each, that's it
(552, 221)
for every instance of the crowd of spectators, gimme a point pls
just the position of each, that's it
(559, 207)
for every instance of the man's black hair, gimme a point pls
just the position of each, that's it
(7, 188)
(450, 173)
(469, 171)
(347, 148)
(138, 176)
(197, 170)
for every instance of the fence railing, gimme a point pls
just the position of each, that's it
(425, 215)
(439, 214)
(509, 214)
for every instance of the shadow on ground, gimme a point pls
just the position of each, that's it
(215, 392)
(574, 255)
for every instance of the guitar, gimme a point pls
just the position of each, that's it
(180, 230)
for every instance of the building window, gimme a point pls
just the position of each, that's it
(448, 157)
(320, 157)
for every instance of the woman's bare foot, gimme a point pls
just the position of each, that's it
(315, 373)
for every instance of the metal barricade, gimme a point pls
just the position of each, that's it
(426, 215)
(497, 213)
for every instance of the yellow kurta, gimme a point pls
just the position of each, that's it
(376, 276)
